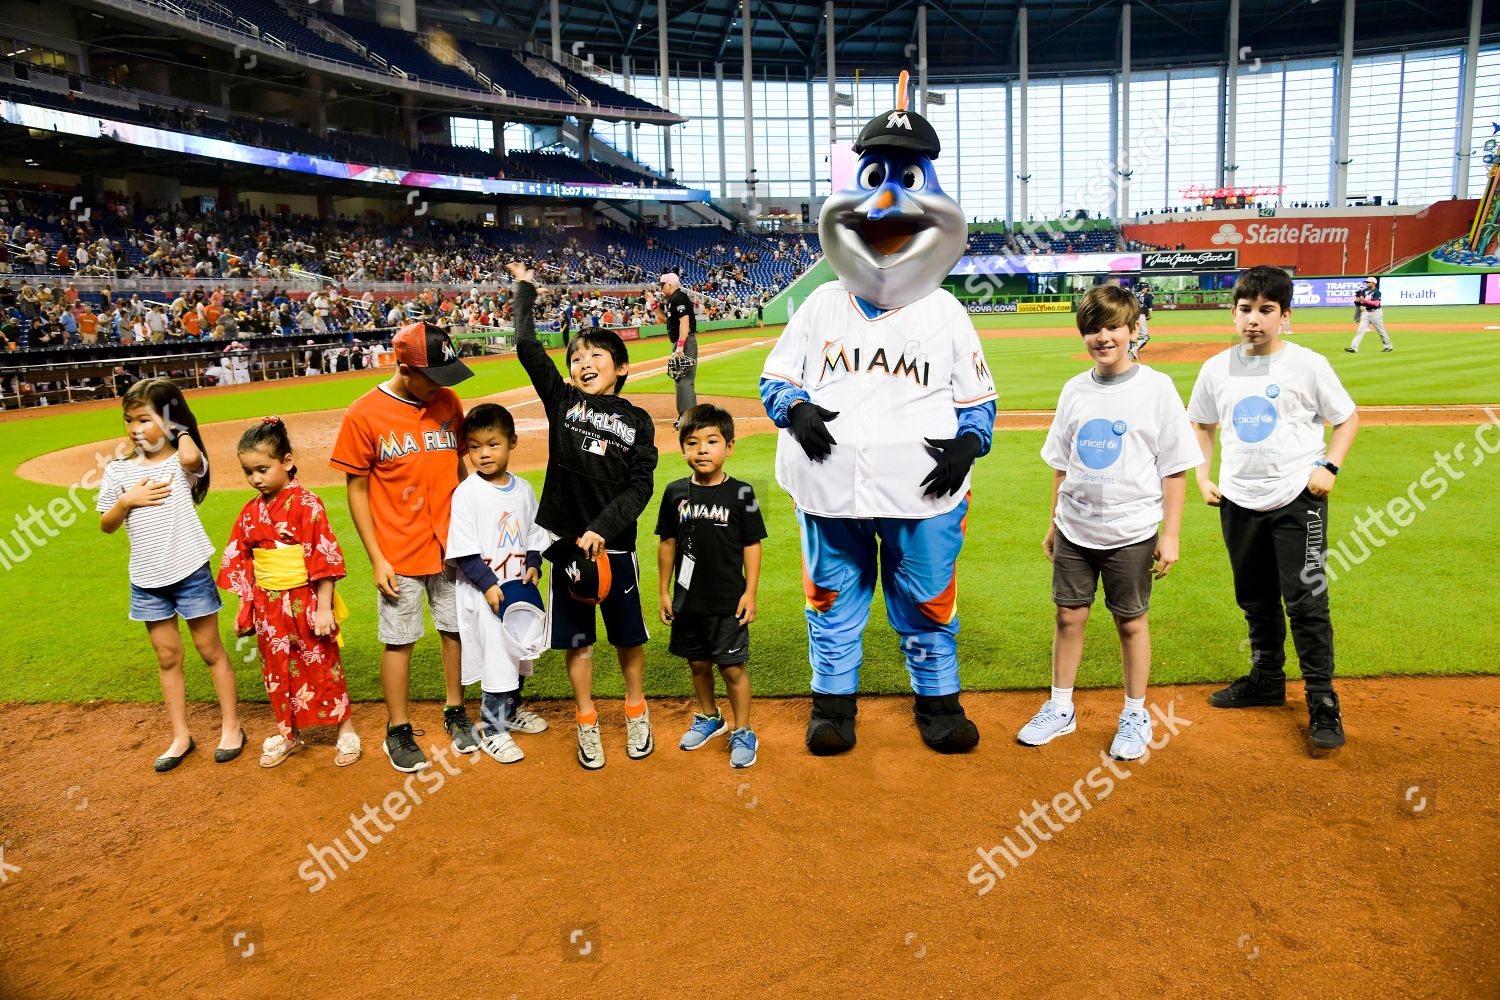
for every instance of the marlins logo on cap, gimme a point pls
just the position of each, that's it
(586, 579)
(428, 349)
(899, 129)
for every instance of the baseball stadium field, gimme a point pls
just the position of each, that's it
(1265, 870)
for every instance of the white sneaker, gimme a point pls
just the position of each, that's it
(501, 747)
(638, 740)
(590, 749)
(526, 721)
(1052, 721)
(1132, 737)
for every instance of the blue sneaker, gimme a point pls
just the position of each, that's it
(704, 728)
(742, 747)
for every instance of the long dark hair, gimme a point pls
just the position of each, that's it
(269, 436)
(164, 399)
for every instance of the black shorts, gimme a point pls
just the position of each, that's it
(1126, 572)
(570, 623)
(719, 639)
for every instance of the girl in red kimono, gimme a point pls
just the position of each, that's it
(282, 560)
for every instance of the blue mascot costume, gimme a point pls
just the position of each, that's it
(884, 399)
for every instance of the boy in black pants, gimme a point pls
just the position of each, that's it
(1272, 399)
(711, 528)
(601, 457)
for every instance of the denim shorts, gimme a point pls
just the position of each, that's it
(192, 597)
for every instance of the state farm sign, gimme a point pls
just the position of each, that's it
(1256, 233)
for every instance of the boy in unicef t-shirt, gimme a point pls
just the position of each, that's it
(1120, 447)
(1271, 399)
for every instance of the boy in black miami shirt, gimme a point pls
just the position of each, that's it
(711, 529)
(600, 461)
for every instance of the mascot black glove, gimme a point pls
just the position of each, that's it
(955, 456)
(809, 428)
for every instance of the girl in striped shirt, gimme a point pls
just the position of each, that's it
(153, 493)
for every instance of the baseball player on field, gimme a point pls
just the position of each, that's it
(880, 386)
(1370, 315)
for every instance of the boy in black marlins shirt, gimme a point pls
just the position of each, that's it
(600, 461)
(711, 530)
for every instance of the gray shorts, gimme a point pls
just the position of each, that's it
(1126, 572)
(401, 620)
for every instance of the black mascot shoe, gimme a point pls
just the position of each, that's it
(831, 728)
(943, 724)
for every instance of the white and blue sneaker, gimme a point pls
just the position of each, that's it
(1132, 737)
(1052, 721)
(742, 747)
(703, 729)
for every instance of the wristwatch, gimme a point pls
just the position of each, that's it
(1327, 465)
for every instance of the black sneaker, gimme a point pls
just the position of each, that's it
(1246, 693)
(400, 746)
(460, 729)
(1325, 722)
(1386, 350)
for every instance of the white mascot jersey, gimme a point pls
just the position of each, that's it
(894, 381)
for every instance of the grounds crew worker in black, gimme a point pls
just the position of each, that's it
(682, 327)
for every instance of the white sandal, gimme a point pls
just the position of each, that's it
(277, 749)
(348, 746)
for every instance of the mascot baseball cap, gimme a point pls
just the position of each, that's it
(428, 349)
(586, 579)
(899, 130)
(523, 623)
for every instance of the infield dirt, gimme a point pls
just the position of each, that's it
(1230, 863)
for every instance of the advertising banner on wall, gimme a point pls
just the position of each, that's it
(1431, 290)
(88, 126)
(1355, 242)
(1190, 260)
(1492, 288)
(1067, 263)
(1311, 292)
(1044, 307)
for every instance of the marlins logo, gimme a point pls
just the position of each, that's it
(898, 119)
(392, 447)
(510, 532)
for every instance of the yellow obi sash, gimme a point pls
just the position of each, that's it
(283, 569)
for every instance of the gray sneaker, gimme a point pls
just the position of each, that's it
(400, 746)
(1052, 721)
(590, 749)
(742, 747)
(463, 733)
(1133, 735)
(703, 729)
(638, 740)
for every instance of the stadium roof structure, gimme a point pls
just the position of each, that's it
(965, 38)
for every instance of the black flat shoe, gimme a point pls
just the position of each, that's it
(165, 763)
(224, 755)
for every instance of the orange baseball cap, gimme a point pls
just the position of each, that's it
(429, 350)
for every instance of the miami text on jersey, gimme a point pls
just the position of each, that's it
(717, 513)
(836, 356)
(608, 423)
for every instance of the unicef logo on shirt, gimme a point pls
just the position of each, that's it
(1254, 419)
(1273, 390)
(1099, 443)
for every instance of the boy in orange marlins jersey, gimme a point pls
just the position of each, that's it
(398, 448)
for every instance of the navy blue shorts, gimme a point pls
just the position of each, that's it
(570, 622)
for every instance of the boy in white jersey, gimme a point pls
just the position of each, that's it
(496, 546)
(1120, 447)
(1272, 399)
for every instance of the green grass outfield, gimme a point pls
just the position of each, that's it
(1420, 604)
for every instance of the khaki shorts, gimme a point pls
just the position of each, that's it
(401, 621)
